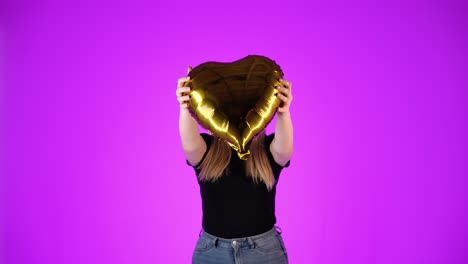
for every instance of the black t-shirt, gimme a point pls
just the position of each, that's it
(234, 206)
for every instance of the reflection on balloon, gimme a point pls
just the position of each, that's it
(235, 100)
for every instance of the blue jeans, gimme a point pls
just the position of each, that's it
(267, 247)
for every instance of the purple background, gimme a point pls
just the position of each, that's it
(95, 171)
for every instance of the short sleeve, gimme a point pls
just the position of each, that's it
(207, 138)
(267, 143)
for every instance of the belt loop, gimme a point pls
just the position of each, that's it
(280, 231)
(251, 242)
(215, 242)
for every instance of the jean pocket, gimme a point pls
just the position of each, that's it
(268, 244)
(204, 244)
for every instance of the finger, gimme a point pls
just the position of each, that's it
(180, 81)
(286, 83)
(278, 87)
(182, 90)
(281, 85)
(183, 83)
(183, 79)
(283, 90)
(184, 105)
(282, 97)
(183, 98)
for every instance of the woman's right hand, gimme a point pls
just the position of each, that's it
(183, 92)
(192, 142)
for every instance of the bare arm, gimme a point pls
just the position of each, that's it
(193, 144)
(282, 147)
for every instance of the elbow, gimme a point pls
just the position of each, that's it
(286, 154)
(282, 155)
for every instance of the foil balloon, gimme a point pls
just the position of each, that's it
(235, 100)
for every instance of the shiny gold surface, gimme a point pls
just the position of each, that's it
(236, 100)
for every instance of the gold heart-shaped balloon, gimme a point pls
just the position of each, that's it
(235, 100)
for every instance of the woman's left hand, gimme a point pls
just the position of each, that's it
(284, 95)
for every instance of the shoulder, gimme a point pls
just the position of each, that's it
(207, 138)
(268, 139)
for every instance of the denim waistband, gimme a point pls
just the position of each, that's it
(241, 241)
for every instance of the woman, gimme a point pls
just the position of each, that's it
(238, 197)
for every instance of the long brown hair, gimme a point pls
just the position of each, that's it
(219, 155)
